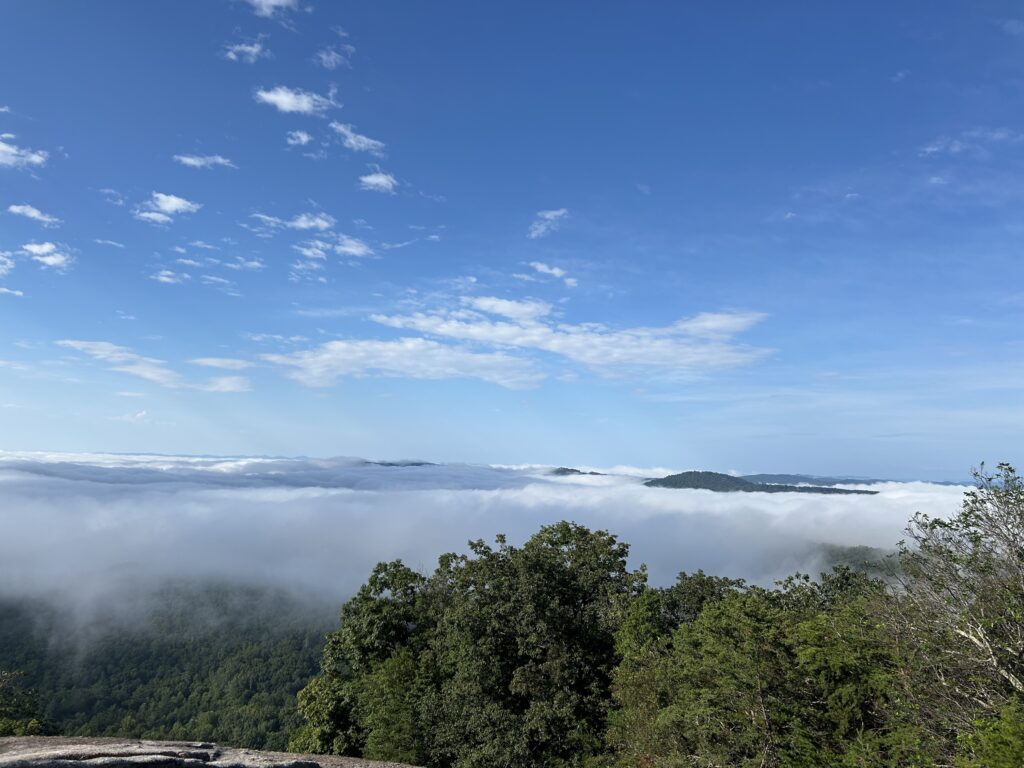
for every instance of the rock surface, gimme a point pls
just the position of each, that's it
(69, 752)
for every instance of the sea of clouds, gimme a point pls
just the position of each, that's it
(81, 526)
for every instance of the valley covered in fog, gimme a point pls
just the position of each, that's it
(91, 526)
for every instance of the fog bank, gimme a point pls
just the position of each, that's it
(86, 525)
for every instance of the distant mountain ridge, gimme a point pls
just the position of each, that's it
(722, 483)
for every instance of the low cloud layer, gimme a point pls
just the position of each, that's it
(81, 526)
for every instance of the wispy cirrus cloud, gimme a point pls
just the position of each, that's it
(303, 221)
(220, 283)
(547, 222)
(242, 263)
(314, 254)
(170, 277)
(204, 161)
(227, 363)
(6, 263)
(356, 141)
(124, 360)
(31, 212)
(689, 346)
(246, 53)
(295, 101)
(410, 358)
(332, 57)
(977, 141)
(14, 156)
(269, 8)
(547, 270)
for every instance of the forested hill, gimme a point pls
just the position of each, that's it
(218, 662)
(718, 481)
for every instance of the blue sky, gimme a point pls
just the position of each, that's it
(735, 236)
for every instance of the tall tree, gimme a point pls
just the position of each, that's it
(961, 605)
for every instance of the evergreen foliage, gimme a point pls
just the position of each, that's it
(214, 662)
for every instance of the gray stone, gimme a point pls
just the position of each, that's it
(71, 752)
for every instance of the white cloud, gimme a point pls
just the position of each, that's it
(5, 109)
(6, 262)
(688, 346)
(242, 263)
(31, 212)
(6, 265)
(112, 196)
(58, 261)
(315, 252)
(302, 221)
(227, 363)
(172, 204)
(113, 243)
(319, 221)
(49, 255)
(124, 360)
(226, 384)
(352, 246)
(161, 208)
(268, 8)
(247, 53)
(344, 245)
(13, 156)
(546, 269)
(295, 101)
(976, 141)
(357, 142)
(168, 277)
(39, 249)
(547, 222)
(204, 161)
(332, 58)
(298, 138)
(378, 181)
(153, 217)
(222, 283)
(516, 310)
(133, 418)
(403, 358)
